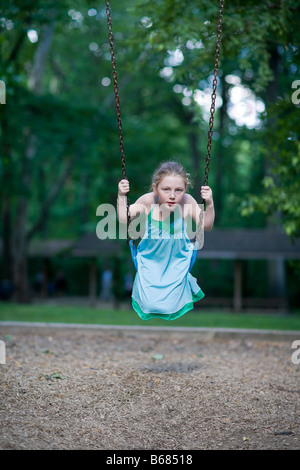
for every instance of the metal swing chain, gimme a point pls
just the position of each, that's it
(117, 102)
(117, 98)
(213, 96)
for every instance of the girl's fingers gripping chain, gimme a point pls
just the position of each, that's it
(206, 193)
(123, 187)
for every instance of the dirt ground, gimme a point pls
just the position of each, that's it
(103, 389)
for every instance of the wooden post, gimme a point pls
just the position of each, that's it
(46, 277)
(237, 297)
(93, 282)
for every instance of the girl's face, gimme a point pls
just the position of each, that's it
(170, 190)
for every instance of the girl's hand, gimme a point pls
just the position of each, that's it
(123, 187)
(206, 194)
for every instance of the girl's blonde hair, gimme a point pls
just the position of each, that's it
(170, 168)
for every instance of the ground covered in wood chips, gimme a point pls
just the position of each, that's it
(64, 388)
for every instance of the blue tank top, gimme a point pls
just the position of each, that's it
(163, 286)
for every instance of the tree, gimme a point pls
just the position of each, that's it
(281, 187)
(60, 157)
(65, 159)
(41, 143)
(260, 44)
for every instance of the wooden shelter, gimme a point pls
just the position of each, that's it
(229, 244)
(252, 244)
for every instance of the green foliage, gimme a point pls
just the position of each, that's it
(251, 31)
(75, 112)
(248, 30)
(280, 190)
(71, 120)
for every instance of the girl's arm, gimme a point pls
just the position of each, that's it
(209, 214)
(134, 209)
(195, 210)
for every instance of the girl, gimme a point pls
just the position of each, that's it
(163, 286)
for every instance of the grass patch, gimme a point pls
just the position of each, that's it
(110, 316)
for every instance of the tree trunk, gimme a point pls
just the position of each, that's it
(21, 240)
(276, 268)
(7, 170)
(20, 228)
(6, 208)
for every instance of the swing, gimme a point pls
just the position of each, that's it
(118, 110)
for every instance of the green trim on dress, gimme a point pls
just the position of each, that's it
(171, 316)
(163, 225)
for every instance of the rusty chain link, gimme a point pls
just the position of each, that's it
(117, 98)
(213, 95)
(117, 102)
